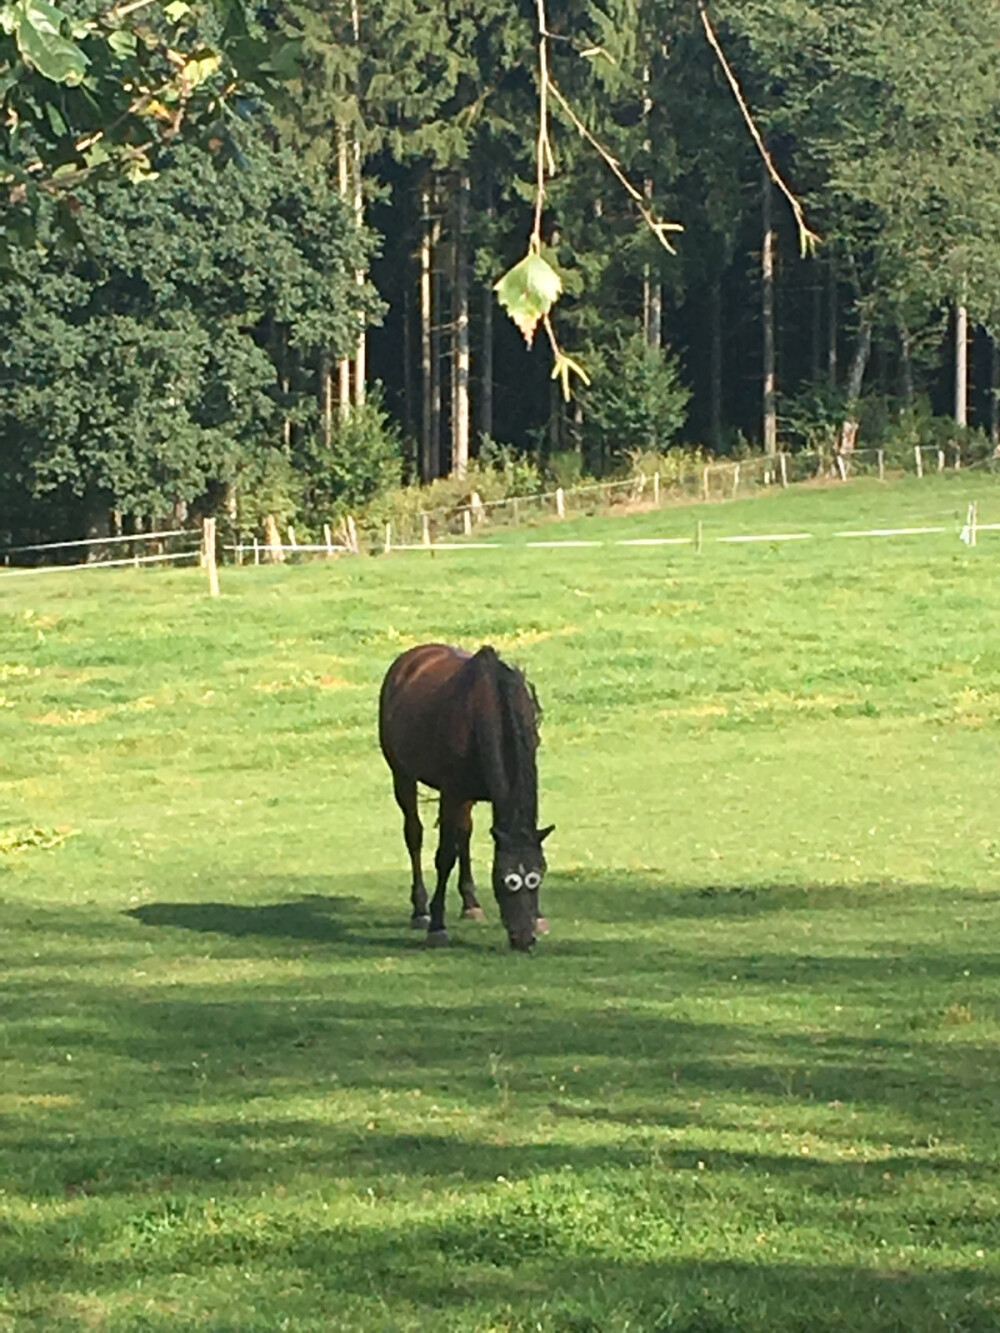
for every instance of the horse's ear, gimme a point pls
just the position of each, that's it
(543, 833)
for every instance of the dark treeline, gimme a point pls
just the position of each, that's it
(298, 312)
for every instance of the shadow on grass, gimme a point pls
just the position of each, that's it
(518, 1262)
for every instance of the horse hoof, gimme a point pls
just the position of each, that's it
(541, 925)
(420, 922)
(437, 939)
(473, 914)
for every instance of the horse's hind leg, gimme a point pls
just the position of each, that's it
(444, 862)
(413, 831)
(471, 909)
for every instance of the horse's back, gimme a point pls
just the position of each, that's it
(424, 716)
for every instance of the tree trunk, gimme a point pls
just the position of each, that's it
(326, 397)
(460, 425)
(855, 379)
(408, 422)
(486, 379)
(343, 365)
(994, 392)
(817, 333)
(961, 365)
(361, 350)
(831, 323)
(426, 350)
(905, 362)
(767, 297)
(437, 306)
(715, 367)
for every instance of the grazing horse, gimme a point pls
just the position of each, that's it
(467, 725)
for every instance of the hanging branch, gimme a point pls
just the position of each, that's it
(808, 239)
(531, 288)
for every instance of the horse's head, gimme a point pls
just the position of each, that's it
(518, 871)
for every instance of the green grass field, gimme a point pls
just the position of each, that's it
(749, 1083)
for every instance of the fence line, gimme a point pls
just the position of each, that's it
(100, 541)
(132, 560)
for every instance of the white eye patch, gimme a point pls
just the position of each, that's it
(512, 882)
(532, 879)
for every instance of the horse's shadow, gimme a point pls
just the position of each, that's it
(323, 919)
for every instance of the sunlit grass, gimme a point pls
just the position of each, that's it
(748, 1083)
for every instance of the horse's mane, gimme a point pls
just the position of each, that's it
(520, 714)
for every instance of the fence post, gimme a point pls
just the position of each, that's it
(328, 538)
(881, 465)
(940, 460)
(517, 512)
(478, 508)
(467, 522)
(656, 489)
(736, 478)
(958, 457)
(388, 538)
(426, 525)
(841, 467)
(256, 550)
(697, 539)
(920, 460)
(783, 460)
(560, 502)
(352, 533)
(704, 484)
(208, 547)
(291, 536)
(273, 538)
(975, 520)
(819, 460)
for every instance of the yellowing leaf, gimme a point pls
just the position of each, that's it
(563, 368)
(528, 291)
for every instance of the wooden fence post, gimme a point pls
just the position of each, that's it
(920, 460)
(704, 484)
(958, 457)
(841, 467)
(208, 547)
(656, 489)
(560, 503)
(328, 538)
(273, 539)
(940, 460)
(467, 522)
(388, 538)
(352, 535)
(517, 512)
(426, 524)
(478, 508)
(256, 550)
(736, 478)
(783, 460)
(291, 536)
(881, 465)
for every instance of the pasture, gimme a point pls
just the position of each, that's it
(749, 1083)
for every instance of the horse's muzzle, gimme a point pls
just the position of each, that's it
(523, 943)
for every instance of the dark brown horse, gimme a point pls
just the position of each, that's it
(467, 725)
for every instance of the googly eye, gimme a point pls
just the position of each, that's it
(512, 882)
(532, 879)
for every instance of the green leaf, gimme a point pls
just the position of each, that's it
(41, 43)
(122, 42)
(528, 292)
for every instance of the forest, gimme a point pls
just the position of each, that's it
(281, 298)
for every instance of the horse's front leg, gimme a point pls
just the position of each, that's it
(444, 862)
(471, 909)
